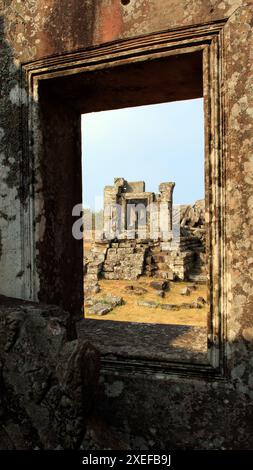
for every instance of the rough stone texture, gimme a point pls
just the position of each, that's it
(167, 411)
(159, 343)
(109, 299)
(185, 291)
(99, 309)
(193, 216)
(48, 382)
(132, 213)
(178, 412)
(153, 304)
(135, 290)
(94, 263)
(161, 293)
(160, 285)
(144, 228)
(119, 260)
(103, 305)
(131, 218)
(181, 259)
(124, 262)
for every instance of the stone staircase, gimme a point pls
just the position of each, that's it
(124, 260)
(94, 265)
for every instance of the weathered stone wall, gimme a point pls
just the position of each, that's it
(124, 260)
(181, 258)
(48, 379)
(178, 411)
(130, 259)
(130, 211)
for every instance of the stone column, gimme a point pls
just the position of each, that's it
(166, 201)
(110, 200)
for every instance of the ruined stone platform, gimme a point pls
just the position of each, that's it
(117, 340)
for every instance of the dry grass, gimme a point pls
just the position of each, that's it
(132, 312)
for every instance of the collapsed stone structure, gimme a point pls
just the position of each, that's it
(145, 235)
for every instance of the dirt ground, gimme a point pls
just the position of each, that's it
(132, 312)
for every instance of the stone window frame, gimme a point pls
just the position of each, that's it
(135, 196)
(209, 39)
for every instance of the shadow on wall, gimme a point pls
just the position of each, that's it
(17, 172)
(45, 29)
(33, 338)
(59, 259)
(51, 400)
(10, 163)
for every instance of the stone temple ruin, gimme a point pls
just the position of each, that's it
(63, 59)
(145, 234)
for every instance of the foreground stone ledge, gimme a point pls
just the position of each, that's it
(145, 341)
(48, 382)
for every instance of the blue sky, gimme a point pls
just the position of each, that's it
(155, 143)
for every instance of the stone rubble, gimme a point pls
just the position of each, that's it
(148, 303)
(48, 379)
(201, 300)
(102, 305)
(124, 260)
(112, 300)
(161, 293)
(132, 252)
(128, 259)
(184, 305)
(136, 290)
(159, 285)
(99, 309)
(185, 291)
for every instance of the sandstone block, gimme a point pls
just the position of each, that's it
(185, 291)
(201, 300)
(159, 285)
(138, 291)
(170, 306)
(99, 309)
(161, 293)
(148, 303)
